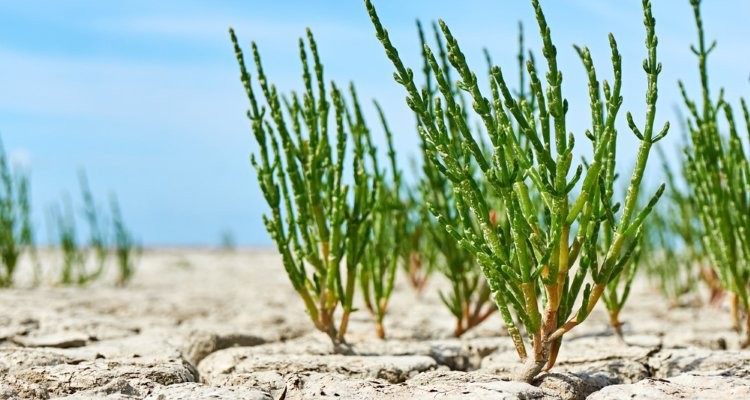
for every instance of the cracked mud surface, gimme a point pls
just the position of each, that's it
(200, 324)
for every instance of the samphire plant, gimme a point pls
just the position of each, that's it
(106, 235)
(125, 246)
(63, 223)
(389, 220)
(97, 227)
(321, 217)
(468, 298)
(542, 266)
(74, 270)
(618, 288)
(672, 239)
(417, 252)
(718, 172)
(16, 236)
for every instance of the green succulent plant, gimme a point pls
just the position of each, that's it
(542, 258)
(718, 173)
(333, 225)
(389, 227)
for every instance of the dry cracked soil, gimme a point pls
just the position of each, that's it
(206, 324)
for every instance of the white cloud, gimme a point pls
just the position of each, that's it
(19, 158)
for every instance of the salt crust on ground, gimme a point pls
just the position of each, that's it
(201, 324)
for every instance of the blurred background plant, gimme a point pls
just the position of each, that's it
(227, 240)
(618, 289)
(127, 249)
(62, 222)
(16, 234)
(106, 236)
(718, 172)
(673, 258)
(389, 238)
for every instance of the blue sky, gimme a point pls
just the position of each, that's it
(145, 95)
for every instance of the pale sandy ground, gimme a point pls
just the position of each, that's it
(203, 324)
